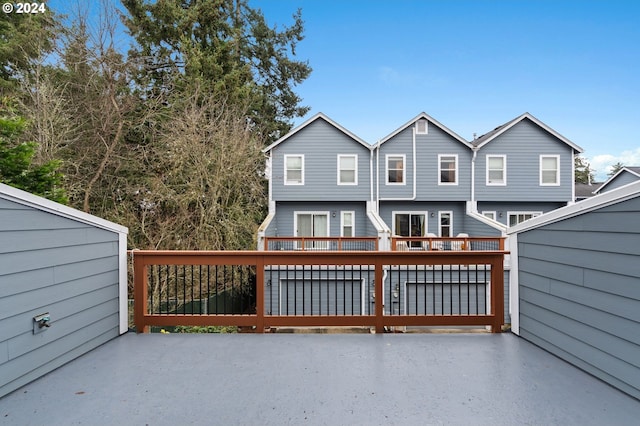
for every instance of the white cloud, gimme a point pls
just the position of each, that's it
(602, 163)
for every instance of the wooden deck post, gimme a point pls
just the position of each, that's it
(140, 290)
(497, 293)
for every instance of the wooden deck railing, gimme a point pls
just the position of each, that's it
(292, 289)
(447, 243)
(321, 243)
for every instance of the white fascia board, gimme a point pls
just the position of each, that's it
(311, 120)
(432, 120)
(612, 178)
(25, 198)
(513, 122)
(614, 196)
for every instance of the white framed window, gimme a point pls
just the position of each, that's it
(497, 170)
(549, 170)
(489, 214)
(445, 220)
(347, 224)
(422, 126)
(396, 173)
(311, 224)
(294, 169)
(347, 169)
(447, 169)
(518, 217)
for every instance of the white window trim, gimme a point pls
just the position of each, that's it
(301, 172)
(354, 156)
(313, 212)
(511, 213)
(504, 170)
(492, 212)
(557, 157)
(426, 127)
(393, 219)
(404, 169)
(353, 222)
(440, 183)
(440, 213)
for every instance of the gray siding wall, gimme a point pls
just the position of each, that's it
(475, 228)
(52, 264)
(523, 144)
(283, 223)
(622, 179)
(428, 147)
(320, 143)
(579, 286)
(459, 212)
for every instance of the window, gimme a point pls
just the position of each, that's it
(410, 225)
(518, 217)
(448, 169)
(347, 226)
(395, 169)
(550, 170)
(347, 169)
(422, 127)
(496, 170)
(294, 169)
(446, 224)
(490, 215)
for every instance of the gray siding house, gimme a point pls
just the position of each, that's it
(523, 169)
(575, 285)
(63, 285)
(421, 180)
(320, 184)
(625, 176)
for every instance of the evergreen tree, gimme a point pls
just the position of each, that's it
(17, 169)
(583, 171)
(226, 50)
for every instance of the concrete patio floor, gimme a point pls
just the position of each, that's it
(318, 379)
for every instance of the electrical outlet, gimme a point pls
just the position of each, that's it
(41, 322)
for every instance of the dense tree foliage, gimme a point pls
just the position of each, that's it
(16, 163)
(225, 49)
(165, 138)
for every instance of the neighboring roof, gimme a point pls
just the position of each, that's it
(488, 137)
(432, 120)
(311, 120)
(21, 197)
(635, 171)
(614, 196)
(584, 190)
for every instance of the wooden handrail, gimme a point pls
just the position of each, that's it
(261, 260)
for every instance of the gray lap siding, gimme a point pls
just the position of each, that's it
(580, 293)
(53, 264)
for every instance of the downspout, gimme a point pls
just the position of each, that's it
(473, 179)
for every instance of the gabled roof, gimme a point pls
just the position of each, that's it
(27, 199)
(430, 119)
(614, 196)
(584, 190)
(318, 116)
(488, 137)
(635, 171)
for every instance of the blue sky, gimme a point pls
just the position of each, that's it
(474, 65)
